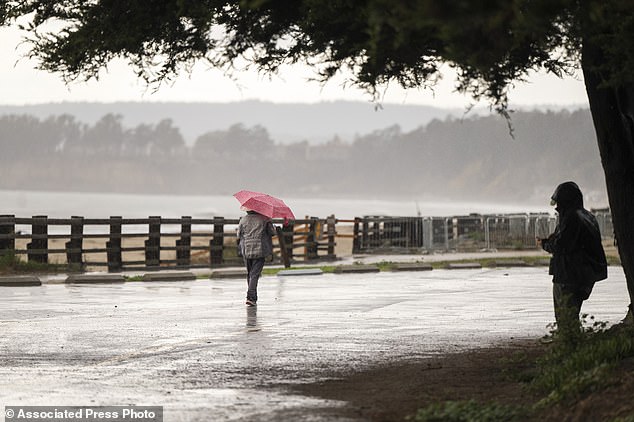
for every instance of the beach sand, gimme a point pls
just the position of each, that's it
(133, 248)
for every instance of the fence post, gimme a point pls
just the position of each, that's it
(375, 239)
(217, 242)
(183, 245)
(74, 245)
(365, 234)
(289, 237)
(447, 234)
(487, 234)
(281, 238)
(311, 241)
(355, 236)
(7, 234)
(418, 236)
(113, 246)
(428, 236)
(37, 249)
(332, 231)
(153, 243)
(538, 226)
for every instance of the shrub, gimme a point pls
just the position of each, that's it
(469, 411)
(582, 361)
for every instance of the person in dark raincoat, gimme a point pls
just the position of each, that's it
(578, 259)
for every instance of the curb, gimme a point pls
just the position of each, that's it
(223, 274)
(95, 279)
(357, 269)
(412, 267)
(464, 266)
(19, 281)
(307, 271)
(509, 263)
(175, 276)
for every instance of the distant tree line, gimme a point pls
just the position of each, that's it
(23, 136)
(470, 158)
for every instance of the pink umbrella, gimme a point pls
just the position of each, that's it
(264, 204)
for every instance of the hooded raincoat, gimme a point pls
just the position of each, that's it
(578, 258)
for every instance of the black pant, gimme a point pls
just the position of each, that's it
(254, 269)
(568, 299)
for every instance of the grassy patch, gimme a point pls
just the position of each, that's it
(579, 363)
(390, 265)
(613, 260)
(575, 366)
(324, 268)
(10, 263)
(470, 411)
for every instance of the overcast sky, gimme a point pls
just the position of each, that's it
(22, 84)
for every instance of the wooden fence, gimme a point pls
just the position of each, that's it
(121, 244)
(155, 243)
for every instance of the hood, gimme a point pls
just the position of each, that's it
(567, 196)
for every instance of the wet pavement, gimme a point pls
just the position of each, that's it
(194, 348)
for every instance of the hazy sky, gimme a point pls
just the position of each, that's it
(22, 84)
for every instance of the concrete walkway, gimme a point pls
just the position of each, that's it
(194, 348)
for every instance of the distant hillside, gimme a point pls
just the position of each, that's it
(286, 123)
(471, 158)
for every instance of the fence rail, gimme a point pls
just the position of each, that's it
(154, 242)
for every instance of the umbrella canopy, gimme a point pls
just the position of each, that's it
(264, 204)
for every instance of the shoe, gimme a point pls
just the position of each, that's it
(250, 302)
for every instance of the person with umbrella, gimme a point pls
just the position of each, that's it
(255, 234)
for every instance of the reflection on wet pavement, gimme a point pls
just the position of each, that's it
(252, 319)
(194, 348)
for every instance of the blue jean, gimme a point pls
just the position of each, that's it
(254, 270)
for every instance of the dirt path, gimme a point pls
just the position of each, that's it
(393, 392)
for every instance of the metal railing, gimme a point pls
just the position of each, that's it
(474, 232)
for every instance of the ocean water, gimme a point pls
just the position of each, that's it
(103, 205)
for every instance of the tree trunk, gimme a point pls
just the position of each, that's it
(612, 109)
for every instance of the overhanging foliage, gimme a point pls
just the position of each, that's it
(490, 43)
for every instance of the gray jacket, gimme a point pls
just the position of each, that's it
(254, 234)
